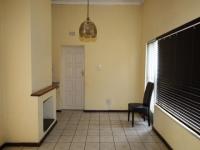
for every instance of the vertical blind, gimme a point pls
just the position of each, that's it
(151, 69)
(178, 84)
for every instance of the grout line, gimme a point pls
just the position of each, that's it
(112, 131)
(67, 116)
(97, 117)
(87, 133)
(62, 131)
(75, 131)
(136, 130)
(99, 131)
(126, 137)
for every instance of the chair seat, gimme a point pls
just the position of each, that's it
(140, 108)
(130, 105)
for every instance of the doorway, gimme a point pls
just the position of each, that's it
(72, 77)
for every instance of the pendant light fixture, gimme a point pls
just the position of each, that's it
(87, 30)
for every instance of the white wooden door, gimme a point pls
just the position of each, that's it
(72, 77)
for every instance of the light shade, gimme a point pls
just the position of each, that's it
(87, 30)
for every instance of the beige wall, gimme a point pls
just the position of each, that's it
(117, 49)
(41, 44)
(1, 79)
(1, 119)
(20, 110)
(160, 16)
(16, 58)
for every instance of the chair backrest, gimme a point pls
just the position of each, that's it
(147, 94)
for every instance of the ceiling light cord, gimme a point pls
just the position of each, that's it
(88, 7)
(87, 29)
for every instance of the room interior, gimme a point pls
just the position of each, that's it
(34, 36)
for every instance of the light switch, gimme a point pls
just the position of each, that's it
(72, 33)
(99, 67)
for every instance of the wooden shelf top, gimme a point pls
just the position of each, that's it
(45, 90)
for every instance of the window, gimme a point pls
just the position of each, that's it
(151, 69)
(178, 84)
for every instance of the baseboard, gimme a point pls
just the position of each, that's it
(28, 144)
(105, 110)
(161, 137)
(21, 145)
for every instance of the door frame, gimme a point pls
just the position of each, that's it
(61, 58)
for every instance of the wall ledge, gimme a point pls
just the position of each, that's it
(178, 122)
(45, 90)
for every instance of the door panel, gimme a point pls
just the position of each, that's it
(72, 79)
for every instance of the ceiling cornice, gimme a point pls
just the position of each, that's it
(99, 2)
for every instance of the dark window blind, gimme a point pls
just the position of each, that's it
(178, 85)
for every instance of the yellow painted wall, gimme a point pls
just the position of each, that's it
(41, 44)
(16, 58)
(160, 16)
(20, 110)
(117, 49)
(1, 65)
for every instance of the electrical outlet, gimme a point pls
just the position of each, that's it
(109, 103)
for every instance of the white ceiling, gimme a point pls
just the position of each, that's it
(100, 2)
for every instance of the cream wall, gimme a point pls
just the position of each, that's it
(20, 110)
(1, 118)
(41, 44)
(160, 16)
(1, 65)
(117, 49)
(16, 57)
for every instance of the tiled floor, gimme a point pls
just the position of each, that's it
(77, 130)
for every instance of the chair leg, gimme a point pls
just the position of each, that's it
(129, 114)
(144, 117)
(132, 118)
(149, 118)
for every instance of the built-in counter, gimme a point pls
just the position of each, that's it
(46, 102)
(58, 100)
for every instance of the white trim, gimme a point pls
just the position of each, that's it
(96, 3)
(177, 121)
